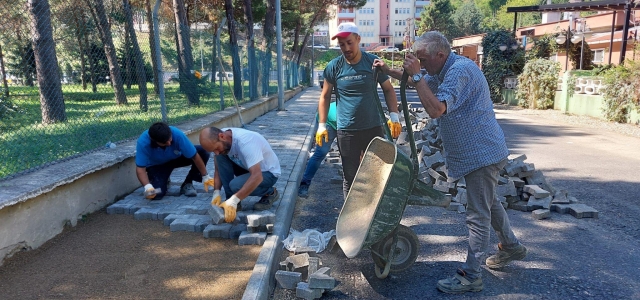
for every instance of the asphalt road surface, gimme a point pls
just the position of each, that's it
(568, 258)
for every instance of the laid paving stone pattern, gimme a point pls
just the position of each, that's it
(286, 132)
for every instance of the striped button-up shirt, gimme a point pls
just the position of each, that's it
(471, 136)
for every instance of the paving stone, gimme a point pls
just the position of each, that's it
(579, 211)
(502, 180)
(146, 213)
(513, 167)
(184, 225)
(217, 231)
(538, 179)
(435, 160)
(236, 230)
(299, 263)
(307, 250)
(528, 167)
(288, 280)
(540, 203)
(536, 191)
(269, 228)
(507, 189)
(461, 209)
(303, 291)
(540, 214)
(172, 217)
(320, 280)
(560, 208)
(461, 196)
(256, 238)
(521, 206)
(518, 157)
(202, 224)
(517, 181)
(314, 264)
(461, 182)
(197, 210)
(283, 265)
(217, 214)
(254, 229)
(118, 208)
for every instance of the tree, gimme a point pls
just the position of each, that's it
(437, 17)
(44, 49)
(152, 44)
(269, 37)
(96, 8)
(468, 19)
(233, 42)
(137, 55)
(3, 73)
(504, 20)
(498, 64)
(253, 64)
(185, 57)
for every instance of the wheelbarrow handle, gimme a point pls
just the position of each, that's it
(407, 120)
(387, 131)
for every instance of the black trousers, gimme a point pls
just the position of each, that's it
(353, 144)
(159, 174)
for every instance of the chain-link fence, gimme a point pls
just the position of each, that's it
(79, 74)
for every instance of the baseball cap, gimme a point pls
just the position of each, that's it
(345, 29)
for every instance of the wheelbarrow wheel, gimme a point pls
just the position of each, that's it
(405, 253)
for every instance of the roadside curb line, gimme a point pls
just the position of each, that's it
(262, 280)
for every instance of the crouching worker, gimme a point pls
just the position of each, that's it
(162, 148)
(245, 165)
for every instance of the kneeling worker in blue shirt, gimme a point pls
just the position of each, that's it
(162, 148)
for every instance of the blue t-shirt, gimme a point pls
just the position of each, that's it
(356, 107)
(331, 116)
(471, 135)
(147, 156)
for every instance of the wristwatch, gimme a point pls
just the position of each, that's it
(415, 78)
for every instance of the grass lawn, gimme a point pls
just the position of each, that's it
(93, 119)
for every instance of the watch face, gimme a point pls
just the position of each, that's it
(416, 77)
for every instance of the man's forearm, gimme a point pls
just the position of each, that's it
(431, 104)
(200, 164)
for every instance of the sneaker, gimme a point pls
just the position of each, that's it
(503, 257)
(188, 190)
(266, 201)
(303, 190)
(459, 283)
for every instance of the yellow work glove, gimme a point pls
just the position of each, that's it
(394, 125)
(149, 191)
(208, 182)
(230, 206)
(215, 200)
(322, 135)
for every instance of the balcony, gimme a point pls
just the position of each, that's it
(422, 3)
(417, 15)
(347, 15)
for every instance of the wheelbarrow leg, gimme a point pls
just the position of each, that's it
(387, 265)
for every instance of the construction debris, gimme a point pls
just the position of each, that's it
(303, 272)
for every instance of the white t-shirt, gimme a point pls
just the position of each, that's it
(249, 148)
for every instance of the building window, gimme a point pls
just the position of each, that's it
(400, 23)
(366, 10)
(365, 22)
(598, 55)
(405, 10)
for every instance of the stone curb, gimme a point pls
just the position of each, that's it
(262, 280)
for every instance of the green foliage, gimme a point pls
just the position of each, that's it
(468, 19)
(504, 20)
(537, 84)
(575, 53)
(543, 47)
(496, 64)
(22, 62)
(621, 91)
(437, 17)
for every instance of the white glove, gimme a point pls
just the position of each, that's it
(215, 200)
(208, 182)
(230, 206)
(395, 118)
(149, 191)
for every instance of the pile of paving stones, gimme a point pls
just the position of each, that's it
(303, 272)
(520, 186)
(195, 214)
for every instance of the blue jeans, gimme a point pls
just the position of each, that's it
(159, 174)
(316, 159)
(484, 212)
(234, 177)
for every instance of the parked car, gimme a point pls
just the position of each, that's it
(222, 75)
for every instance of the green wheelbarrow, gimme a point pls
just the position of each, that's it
(386, 182)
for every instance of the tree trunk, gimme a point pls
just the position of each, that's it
(141, 75)
(235, 57)
(92, 65)
(100, 18)
(269, 34)
(251, 50)
(4, 74)
(51, 100)
(126, 57)
(83, 61)
(152, 47)
(214, 57)
(185, 57)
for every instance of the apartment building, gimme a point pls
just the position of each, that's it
(382, 23)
